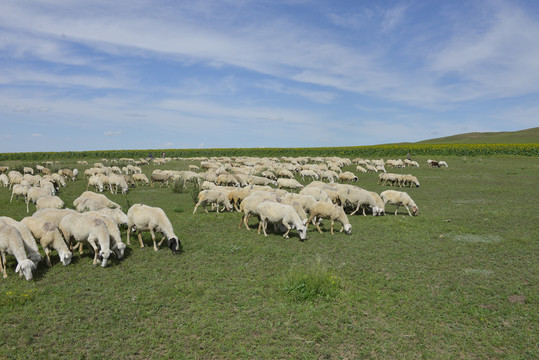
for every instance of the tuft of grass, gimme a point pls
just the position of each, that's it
(313, 283)
(10, 299)
(194, 193)
(178, 186)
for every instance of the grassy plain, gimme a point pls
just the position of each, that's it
(457, 281)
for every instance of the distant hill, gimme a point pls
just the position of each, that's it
(528, 136)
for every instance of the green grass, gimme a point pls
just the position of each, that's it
(457, 281)
(527, 136)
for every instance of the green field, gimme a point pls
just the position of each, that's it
(527, 136)
(457, 281)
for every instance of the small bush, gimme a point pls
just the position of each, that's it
(313, 284)
(194, 193)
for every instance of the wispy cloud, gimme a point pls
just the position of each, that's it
(113, 133)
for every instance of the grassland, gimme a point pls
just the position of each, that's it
(457, 281)
(527, 136)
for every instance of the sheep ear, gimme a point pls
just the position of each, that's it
(18, 268)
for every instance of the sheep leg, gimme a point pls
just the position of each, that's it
(92, 243)
(196, 206)
(286, 233)
(318, 226)
(356, 210)
(264, 227)
(363, 213)
(128, 234)
(140, 240)
(162, 239)
(397, 209)
(48, 257)
(153, 239)
(332, 224)
(246, 221)
(408, 210)
(3, 264)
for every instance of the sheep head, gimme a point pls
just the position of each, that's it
(302, 231)
(348, 229)
(104, 256)
(175, 245)
(66, 258)
(415, 210)
(25, 267)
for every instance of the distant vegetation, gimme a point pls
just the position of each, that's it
(528, 136)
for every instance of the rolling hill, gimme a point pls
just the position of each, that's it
(526, 136)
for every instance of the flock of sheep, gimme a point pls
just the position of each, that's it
(265, 188)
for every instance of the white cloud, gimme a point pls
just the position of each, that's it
(36, 135)
(113, 133)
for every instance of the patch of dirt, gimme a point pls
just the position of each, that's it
(517, 299)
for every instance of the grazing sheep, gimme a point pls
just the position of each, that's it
(213, 197)
(361, 169)
(308, 173)
(11, 243)
(90, 229)
(98, 197)
(358, 198)
(116, 243)
(323, 210)
(143, 179)
(35, 193)
(118, 215)
(260, 180)
(330, 175)
(249, 205)
(268, 174)
(30, 245)
(409, 180)
(442, 163)
(4, 180)
(277, 213)
(161, 178)
(3, 169)
(289, 184)
(53, 215)
(317, 193)
(89, 205)
(117, 182)
(19, 190)
(399, 198)
(96, 182)
(48, 236)
(153, 219)
(227, 180)
(379, 203)
(49, 202)
(28, 170)
(348, 177)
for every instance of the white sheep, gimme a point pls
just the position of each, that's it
(277, 213)
(116, 243)
(399, 198)
(308, 173)
(330, 175)
(90, 229)
(249, 205)
(213, 197)
(30, 244)
(96, 182)
(35, 193)
(19, 190)
(143, 179)
(324, 210)
(89, 205)
(358, 198)
(98, 197)
(48, 236)
(11, 243)
(49, 202)
(361, 169)
(409, 180)
(347, 176)
(153, 219)
(117, 182)
(53, 215)
(118, 215)
(289, 184)
(4, 180)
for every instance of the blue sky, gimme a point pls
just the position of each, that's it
(141, 74)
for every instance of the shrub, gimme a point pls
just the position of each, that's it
(312, 284)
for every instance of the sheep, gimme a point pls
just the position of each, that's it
(161, 178)
(358, 198)
(53, 215)
(409, 180)
(153, 219)
(98, 197)
(96, 182)
(11, 243)
(19, 190)
(59, 179)
(260, 180)
(249, 204)
(289, 184)
(4, 180)
(442, 163)
(117, 182)
(118, 215)
(347, 176)
(284, 173)
(3, 169)
(306, 201)
(308, 173)
(142, 178)
(227, 179)
(323, 210)
(49, 202)
(30, 244)
(379, 203)
(89, 205)
(116, 243)
(67, 174)
(35, 193)
(90, 229)
(277, 213)
(28, 170)
(318, 194)
(361, 169)
(330, 175)
(399, 198)
(213, 197)
(48, 236)
(268, 174)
